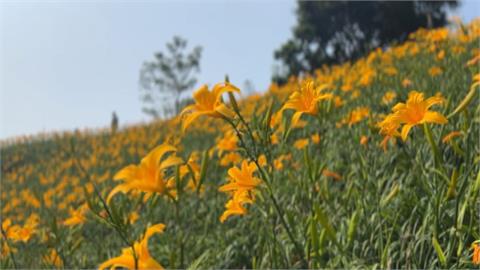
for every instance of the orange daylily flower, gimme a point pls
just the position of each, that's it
(227, 143)
(315, 138)
(305, 99)
(434, 71)
(76, 216)
(364, 140)
(262, 160)
(144, 260)
(149, 175)
(476, 252)
(21, 233)
(415, 112)
(389, 128)
(241, 179)
(406, 82)
(208, 103)
(388, 97)
(234, 206)
(53, 259)
(241, 187)
(300, 143)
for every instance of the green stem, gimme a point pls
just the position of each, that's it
(271, 194)
(433, 145)
(113, 221)
(180, 241)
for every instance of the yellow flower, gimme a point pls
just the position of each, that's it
(241, 179)
(18, 233)
(299, 124)
(144, 260)
(208, 103)
(367, 77)
(358, 115)
(53, 259)
(234, 206)
(300, 144)
(278, 163)
(230, 158)
(274, 138)
(262, 160)
(437, 34)
(476, 252)
(388, 97)
(415, 112)
(7, 227)
(276, 119)
(406, 82)
(434, 71)
(133, 217)
(390, 71)
(355, 94)
(241, 187)
(441, 55)
(389, 128)
(305, 100)
(355, 116)
(149, 175)
(364, 140)
(315, 138)
(227, 143)
(76, 216)
(389, 125)
(338, 101)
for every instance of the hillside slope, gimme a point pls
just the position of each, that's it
(331, 188)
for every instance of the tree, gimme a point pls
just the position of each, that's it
(329, 32)
(163, 80)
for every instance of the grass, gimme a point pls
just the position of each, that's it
(390, 209)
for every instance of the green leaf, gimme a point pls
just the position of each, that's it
(440, 254)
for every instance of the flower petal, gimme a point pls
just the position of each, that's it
(189, 119)
(296, 118)
(433, 100)
(434, 117)
(189, 108)
(128, 173)
(170, 161)
(201, 93)
(406, 128)
(221, 88)
(158, 228)
(225, 111)
(154, 157)
(124, 188)
(123, 260)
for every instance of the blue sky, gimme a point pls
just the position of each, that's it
(67, 65)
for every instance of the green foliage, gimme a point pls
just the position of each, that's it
(329, 32)
(394, 209)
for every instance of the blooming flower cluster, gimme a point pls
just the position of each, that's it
(301, 161)
(414, 112)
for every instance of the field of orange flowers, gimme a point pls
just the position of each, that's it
(367, 164)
